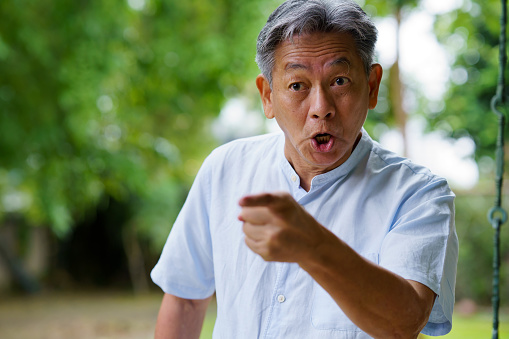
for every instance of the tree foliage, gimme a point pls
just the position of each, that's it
(390, 111)
(113, 99)
(470, 35)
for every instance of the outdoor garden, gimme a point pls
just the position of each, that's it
(108, 109)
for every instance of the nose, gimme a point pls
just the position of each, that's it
(322, 104)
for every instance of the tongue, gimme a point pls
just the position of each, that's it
(323, 142)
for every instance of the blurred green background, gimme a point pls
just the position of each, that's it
(108, 108)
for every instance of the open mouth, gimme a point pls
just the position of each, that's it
(322, 138)
(322, 142)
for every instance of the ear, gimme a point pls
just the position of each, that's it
(375, 77)
(265, 94)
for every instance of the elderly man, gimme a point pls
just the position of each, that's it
(316, 232)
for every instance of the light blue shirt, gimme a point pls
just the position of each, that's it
(391, 211)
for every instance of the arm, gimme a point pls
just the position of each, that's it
(380, 302)
(180, 318)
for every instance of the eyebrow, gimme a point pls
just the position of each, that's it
(342, 60)
(295, 66)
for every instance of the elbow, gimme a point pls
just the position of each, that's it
(401, 333)
(409, 327)
(406, 334)
(412, 329)
(416, 314)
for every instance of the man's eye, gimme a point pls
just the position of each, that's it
(296, 86)
(341, 81)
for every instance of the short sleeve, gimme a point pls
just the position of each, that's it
(185, 268)
(422, 246)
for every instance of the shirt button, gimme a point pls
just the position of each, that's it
(281, 298)
(294, 179)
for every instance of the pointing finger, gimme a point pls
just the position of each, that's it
(263, 199)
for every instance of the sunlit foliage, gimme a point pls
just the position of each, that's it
(113, 99)
(470, 35)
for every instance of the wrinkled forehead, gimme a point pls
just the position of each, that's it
(334, 49)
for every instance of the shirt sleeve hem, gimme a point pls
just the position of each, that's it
(185, 292)
(182, 291)
(437, 329)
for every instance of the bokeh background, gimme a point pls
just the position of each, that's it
(108, 108)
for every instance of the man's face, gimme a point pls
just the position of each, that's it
(320, 97)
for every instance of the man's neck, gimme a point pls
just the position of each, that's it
(307, 171)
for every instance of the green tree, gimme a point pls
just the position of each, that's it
(113, 99)
(393, 86)
(470, 35)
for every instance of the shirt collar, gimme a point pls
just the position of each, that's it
(362, 148)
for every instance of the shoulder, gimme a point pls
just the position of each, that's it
(401, 178)
(386, 161)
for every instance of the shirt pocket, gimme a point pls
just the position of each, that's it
(326, 314)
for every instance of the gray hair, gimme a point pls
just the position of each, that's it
(312, 16)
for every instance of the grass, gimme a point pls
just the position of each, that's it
(121, 315)
(474, 326)
(208, 326)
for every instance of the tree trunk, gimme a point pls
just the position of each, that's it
(16, 269)
(397, 89)
(135, 261)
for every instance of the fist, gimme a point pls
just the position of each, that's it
(279, 229)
